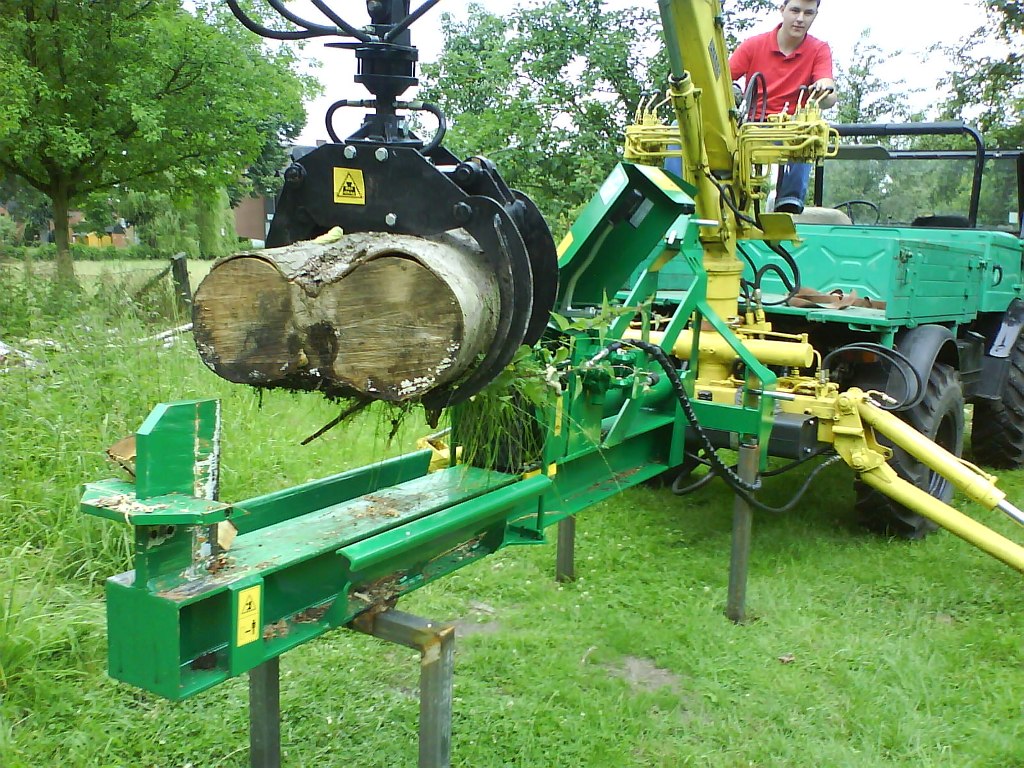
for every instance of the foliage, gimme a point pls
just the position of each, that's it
(138, 94)
(262, 177)
(743, 16)
(863, 96)
(215, 222)
(987, 77)
(545, 91)
(28, 206)
(498, 428)
(15, 84)
(8, 230)
(88, 253)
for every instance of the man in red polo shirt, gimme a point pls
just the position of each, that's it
(789, 59)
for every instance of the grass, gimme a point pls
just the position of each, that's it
(863, 652)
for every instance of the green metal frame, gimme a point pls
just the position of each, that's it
(317, 556)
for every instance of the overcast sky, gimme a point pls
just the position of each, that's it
(910, 26)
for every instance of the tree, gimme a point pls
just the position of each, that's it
(546, 91)
(743, 15)
(15, 79)
(863, 96)
(263, 175)
(987, 78)
(28, 206)
(137, 94)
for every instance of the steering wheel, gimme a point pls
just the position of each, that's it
(848, 206)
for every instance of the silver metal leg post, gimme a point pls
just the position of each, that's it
(436, 644)
(265, 715)
(565, 553)
(742, 529)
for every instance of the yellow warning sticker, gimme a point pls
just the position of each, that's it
(349, 188)
(248, 616)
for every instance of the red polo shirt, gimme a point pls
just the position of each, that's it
(784, 75)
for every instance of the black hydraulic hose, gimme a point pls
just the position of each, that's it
(796, 463)
(320, 29)
(793, 286)
(405, 23)
(660, 356)
(312, 30)
(329, 119)
(678, 490)
(349, 30)
(726, 195)
(442, 126)
(759, 274)
(801, 491)
(755, 100)
(718, 468)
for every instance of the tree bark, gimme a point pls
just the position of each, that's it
(61, 206)
(376, 315)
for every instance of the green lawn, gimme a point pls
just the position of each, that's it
(863, 652)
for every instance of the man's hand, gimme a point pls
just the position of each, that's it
(826, 86)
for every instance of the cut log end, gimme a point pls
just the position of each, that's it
(399, 328)
(375, 315)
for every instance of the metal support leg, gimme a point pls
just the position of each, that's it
(436, 644)
(265, 715)
(565, 553)
(742, 528)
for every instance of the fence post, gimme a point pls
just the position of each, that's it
(182, 287)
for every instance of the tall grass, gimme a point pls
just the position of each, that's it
(95, 374)
(862, 652)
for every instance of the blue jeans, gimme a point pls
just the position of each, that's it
(792, 189)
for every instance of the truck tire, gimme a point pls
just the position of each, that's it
(939, 416)
(997, 430)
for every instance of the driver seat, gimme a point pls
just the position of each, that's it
(815, 215)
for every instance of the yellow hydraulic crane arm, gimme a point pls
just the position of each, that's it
(699, 61)
(701, 94)
(725, 157)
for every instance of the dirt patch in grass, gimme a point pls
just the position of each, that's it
(479, 621)
(644, 675)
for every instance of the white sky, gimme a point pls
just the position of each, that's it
(910, 26)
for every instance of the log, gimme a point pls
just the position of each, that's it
(372, 315)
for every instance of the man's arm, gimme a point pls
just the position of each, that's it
(822, 74)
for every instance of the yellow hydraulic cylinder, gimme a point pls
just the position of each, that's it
(885, 480)
(978, 487)
(792, 354)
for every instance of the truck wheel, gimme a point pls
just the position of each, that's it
(997, 430)
(939, 416)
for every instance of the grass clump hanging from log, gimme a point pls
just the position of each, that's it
(500, 427)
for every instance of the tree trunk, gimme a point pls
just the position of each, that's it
(389, 317)
(65, 266)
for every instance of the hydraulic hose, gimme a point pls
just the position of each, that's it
(718, 468)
